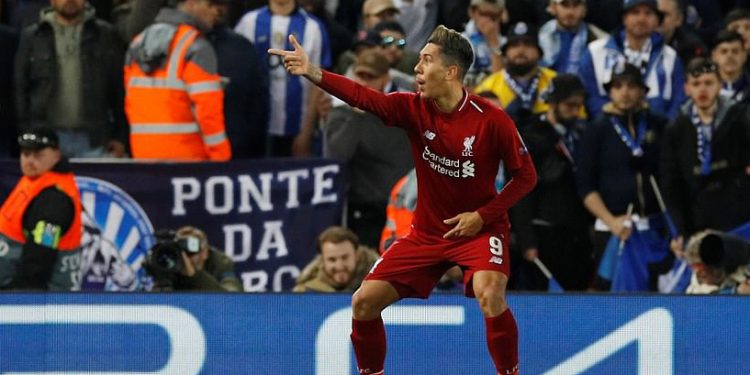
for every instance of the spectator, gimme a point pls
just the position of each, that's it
(340, 266)
(639, 44)
(550, 222)
(484, 33)
(705, 161)
(8, 127)
(68, 76)
(133, 16)
(400, 210)
(564, 39)
(375, 156)
(738, 20)
(519, 84)
(289, 94)
(377, 11)
(204, 268)
(40, 221)
(730, 57)
(618, 152)
(719, 262)
(167, 105)
(393, 44)
(246, 100)
(678, 35)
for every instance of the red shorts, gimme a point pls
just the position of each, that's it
(414, 264)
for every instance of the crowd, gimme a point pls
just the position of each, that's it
(609, 95)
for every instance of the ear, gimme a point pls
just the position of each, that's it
(452, 73)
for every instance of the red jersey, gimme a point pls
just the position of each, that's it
(456, 154)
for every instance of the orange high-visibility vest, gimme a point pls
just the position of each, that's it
(399, 212)
(177, 111)
(11, 213)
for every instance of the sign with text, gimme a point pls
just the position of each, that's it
(264, 214)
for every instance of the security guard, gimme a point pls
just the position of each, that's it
(40, 221)
(174, 99)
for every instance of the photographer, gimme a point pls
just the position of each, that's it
(184, 261)
(720, 263)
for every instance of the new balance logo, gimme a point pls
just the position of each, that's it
(496, 260)
(468, 169)
(429, 135)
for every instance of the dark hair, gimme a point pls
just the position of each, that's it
(336, 234)
(736, 15)
(455, 47)
(699, 66)
(389, 26)
(726, 36)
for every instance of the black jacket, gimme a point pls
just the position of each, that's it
(102, 56)
(554, 199)
(606, 165)
(721, 199)
(8, 44)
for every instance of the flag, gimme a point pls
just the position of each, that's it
(631, 268)
(742, 231)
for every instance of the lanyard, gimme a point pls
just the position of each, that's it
(634, 145)
(527, 96)
(704, 134)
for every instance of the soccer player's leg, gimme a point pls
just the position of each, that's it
(407, 269)
(487, 267)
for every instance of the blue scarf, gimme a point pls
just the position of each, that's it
(704, 134)
(634, 145)
(527, 94)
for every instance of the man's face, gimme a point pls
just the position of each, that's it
(672, 17)
(431, 71)
(34, 163)
(569, 13)
(708, 275)
(68, 9)
(703, 89)
(626, 95)
(568, 111)
(485, 13)
(640, 21)
(393, 44)
(207, 12)
(199, 260)
(729, 56)
(339, 261)
(521, 58)
(742, 27)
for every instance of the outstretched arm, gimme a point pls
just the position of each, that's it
(298, 63)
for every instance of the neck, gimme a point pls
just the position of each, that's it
(570, 29)
(448, 102)
(634, 42)
(551, 118)
(526, 77)
(730, 76)
(282, 9)
(707, 113)
(68, 21)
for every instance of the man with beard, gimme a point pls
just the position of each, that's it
(730, 56)
(550, 222)
(68, 77)
(705, 162)
(519, 84)
(564, 38)
(340, 266)
(642, 46)
(677, 34)
(619, 151)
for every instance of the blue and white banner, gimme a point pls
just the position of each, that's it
(265, 214)
(186, 334)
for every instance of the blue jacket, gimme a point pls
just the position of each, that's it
(664, 76)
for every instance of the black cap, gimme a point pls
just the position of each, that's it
(522, 33)
(37, 139)
(627, 5)
(562, 87)
(624, 71)
(368, 38)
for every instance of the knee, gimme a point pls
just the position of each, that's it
(491, 300)
(365, 306)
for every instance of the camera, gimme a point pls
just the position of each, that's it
(166, 255)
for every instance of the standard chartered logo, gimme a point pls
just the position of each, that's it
(447, 166)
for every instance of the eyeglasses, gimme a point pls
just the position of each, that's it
(389, 41)
(707, 67)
